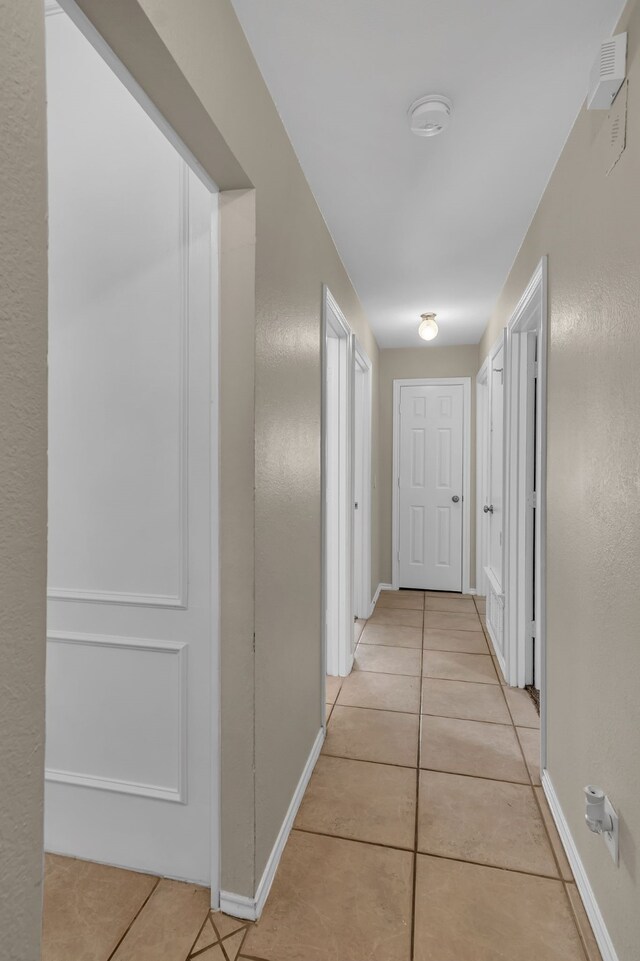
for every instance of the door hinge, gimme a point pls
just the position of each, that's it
(533, 369)
(532, 499)
(398, 480)
(532, 629)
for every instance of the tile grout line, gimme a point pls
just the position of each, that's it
(135, 917)
(417, 814)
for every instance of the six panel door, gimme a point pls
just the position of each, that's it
(431, 487)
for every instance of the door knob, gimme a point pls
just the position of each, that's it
(488, 508)
(455, 498)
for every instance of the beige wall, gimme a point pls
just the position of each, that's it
(418, 362)
(23, 444)
(175, 48)
(589, 225)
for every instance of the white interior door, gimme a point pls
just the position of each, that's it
(431, 487)
(359, 387)
(131, 582)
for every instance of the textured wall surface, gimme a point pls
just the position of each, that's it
(294, 256)
(589, 225)
(23, 446)
(406, 363)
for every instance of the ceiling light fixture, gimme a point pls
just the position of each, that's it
(428, 116)
(428, 328)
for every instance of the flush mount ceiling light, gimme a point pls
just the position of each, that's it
(428, 116)
(428, 328)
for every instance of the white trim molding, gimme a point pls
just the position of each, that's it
(465, 382)
(77, 778)
(250, 909)
(374, 601)
(585, 890)
(362, 364)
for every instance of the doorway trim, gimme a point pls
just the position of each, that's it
(362, 602)
(482, 440)
(529, 317)
(338, 648)
(465, 382)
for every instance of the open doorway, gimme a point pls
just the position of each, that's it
(132, 767)
(525, 486)
(338, 489)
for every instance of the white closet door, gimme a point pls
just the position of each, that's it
(431, 487)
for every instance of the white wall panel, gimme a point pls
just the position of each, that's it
(132, 702)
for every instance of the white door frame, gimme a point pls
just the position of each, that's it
(362, 436)
(465, 382)
(92, 35)
(482, 439)
(530, 316)
(337, 512)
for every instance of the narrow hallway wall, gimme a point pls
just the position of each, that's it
(589, 225)
(23, 472)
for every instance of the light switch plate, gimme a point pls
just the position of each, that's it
(611, 837)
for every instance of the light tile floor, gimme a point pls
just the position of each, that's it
(423, 835)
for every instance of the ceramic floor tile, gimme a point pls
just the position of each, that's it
(455, 605)
(392, 635)
(360, 800)
(336, 900)
(366, 735)
(169, 924)
(472, 747)
(327, 713)
(408, 600)
(481, 604)
(332, 689)
(88, 907)
(522, 708)
(453, 666)
(444, 620)
(387, 660)
(358, 627)
(392, 615)
(383, 692)
(467, 912)
(225, 924)
(584, 927)
(491, 822)
(454, 594)
(470, 702)
(233, 945)
(214, 953)
(208, 936)
(530, 741)
(556, 843)
(464, 642)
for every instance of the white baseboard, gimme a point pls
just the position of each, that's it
(381, 587)
(594, 914)
(250, 909)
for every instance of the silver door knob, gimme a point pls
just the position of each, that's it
(488, 508)
(455, 498)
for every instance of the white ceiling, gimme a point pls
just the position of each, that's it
(427, 223)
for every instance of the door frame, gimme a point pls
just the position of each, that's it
(482, 435)
(337, 651)
(362, 599)
(465, 382)
(530, 316)
(71, 9)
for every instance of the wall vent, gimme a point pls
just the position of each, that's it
(608, 73)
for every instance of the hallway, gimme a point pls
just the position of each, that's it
(423, 834)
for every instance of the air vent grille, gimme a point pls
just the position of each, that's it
(608, 73)
(607, 59)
